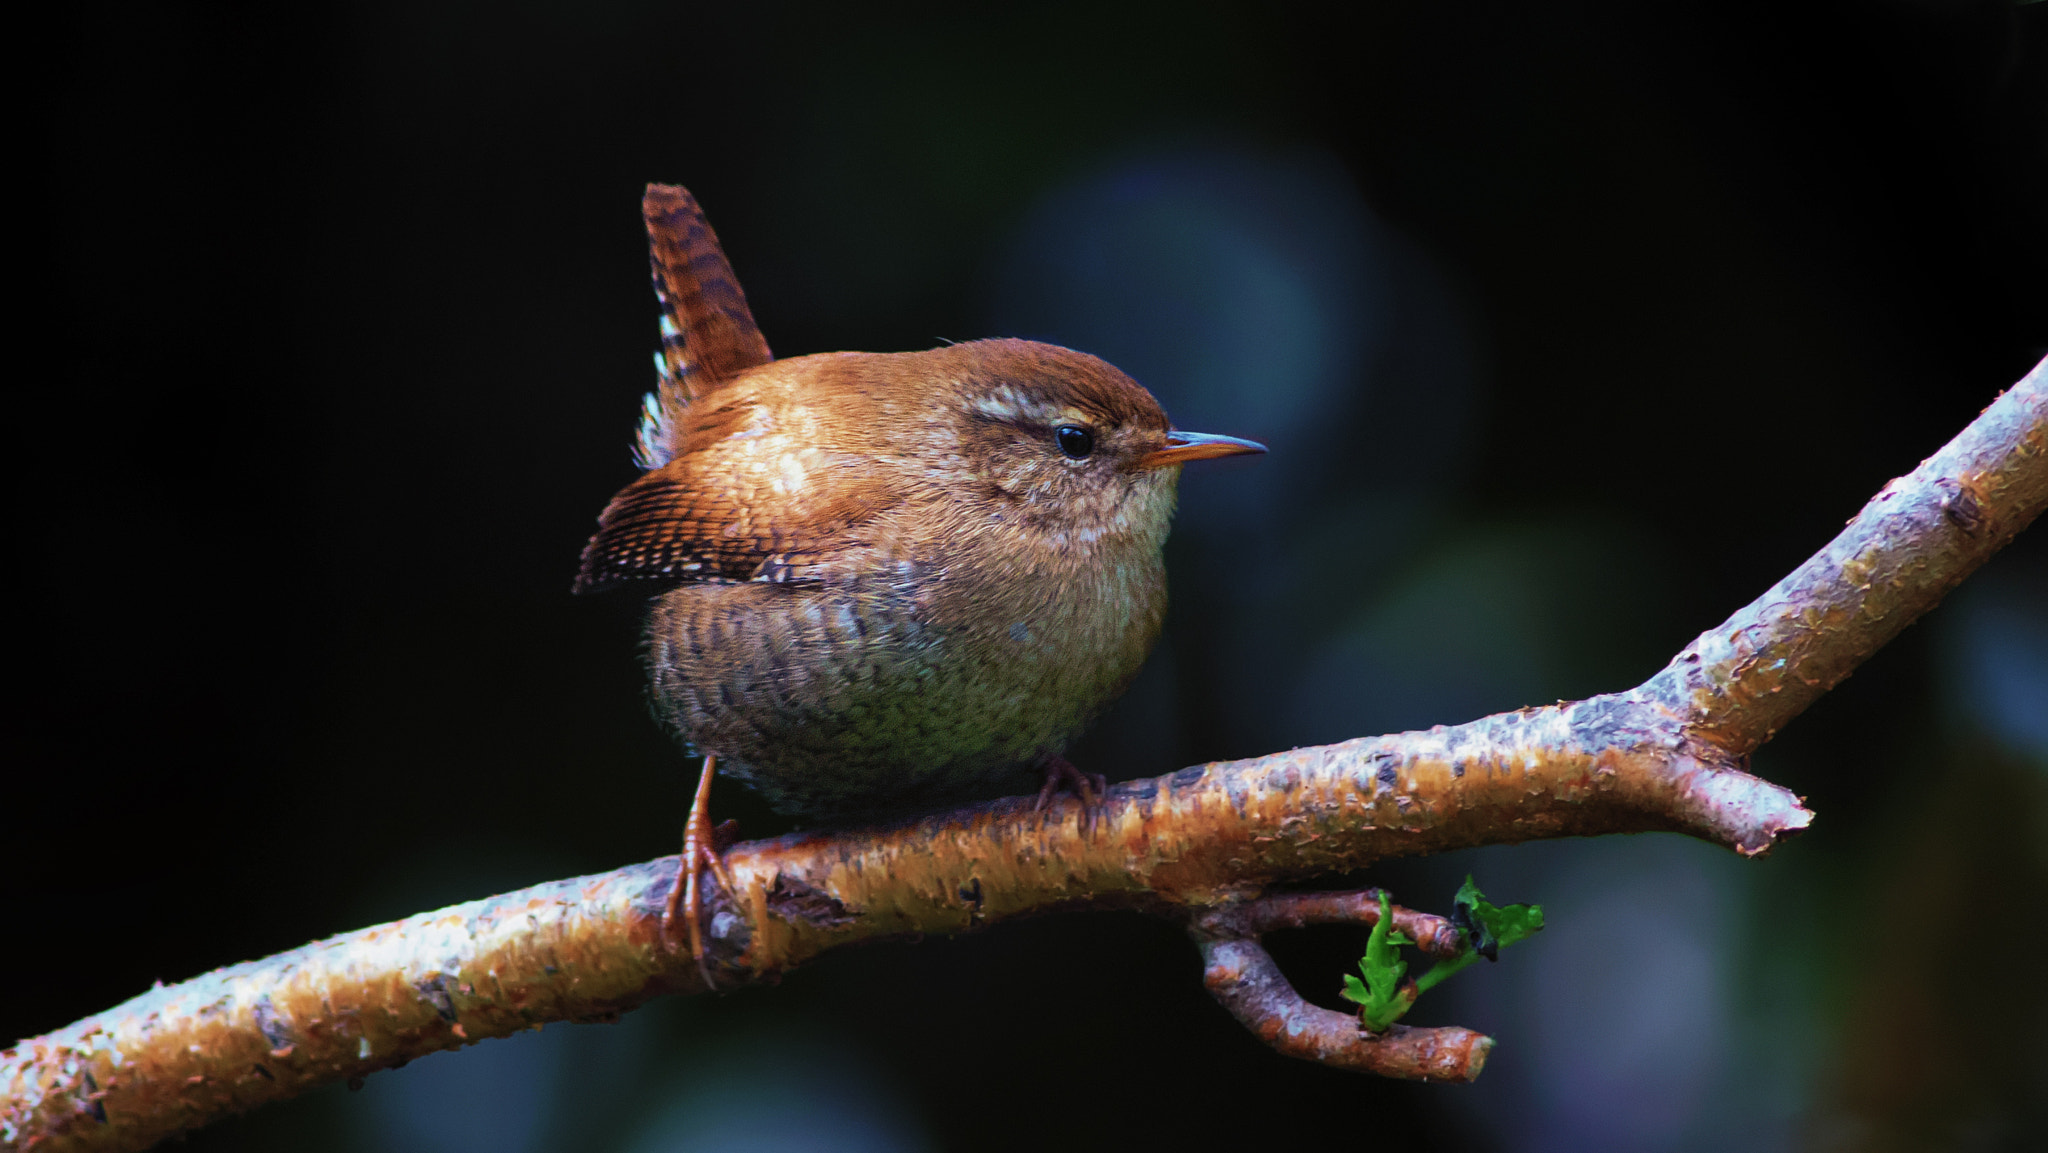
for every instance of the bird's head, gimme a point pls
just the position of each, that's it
(1058, 440)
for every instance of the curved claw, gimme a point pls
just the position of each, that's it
(1091, 788)
(701, 845)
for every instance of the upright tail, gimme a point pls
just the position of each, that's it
(707, 332)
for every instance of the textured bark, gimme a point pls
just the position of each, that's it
(1201, 845)
(1737, 685)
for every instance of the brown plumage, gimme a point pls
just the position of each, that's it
(886, 580)
(710, 335)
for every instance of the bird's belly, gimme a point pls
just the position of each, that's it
(838, 702)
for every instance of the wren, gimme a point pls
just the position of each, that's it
(886, 580)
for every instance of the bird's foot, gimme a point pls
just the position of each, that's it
(703, 847)
(1062, 777)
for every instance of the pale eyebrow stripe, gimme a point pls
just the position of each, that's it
(1008, 406)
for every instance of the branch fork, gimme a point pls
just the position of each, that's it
(1243, 977)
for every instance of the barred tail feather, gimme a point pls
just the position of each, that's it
(708, 334)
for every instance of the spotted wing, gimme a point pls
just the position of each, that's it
(708, 515)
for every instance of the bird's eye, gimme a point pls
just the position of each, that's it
(1076, 442)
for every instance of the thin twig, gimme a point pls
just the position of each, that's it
(1241, 974)
(1434, 936)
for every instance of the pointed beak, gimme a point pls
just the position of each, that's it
(1182, 447)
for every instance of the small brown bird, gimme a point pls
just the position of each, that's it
(889, 579)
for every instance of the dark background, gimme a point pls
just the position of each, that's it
(1572, 326)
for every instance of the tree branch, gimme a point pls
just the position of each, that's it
(1201, 845)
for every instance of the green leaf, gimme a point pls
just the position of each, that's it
(1355, 990)
(1382, 997)
(1489, 927)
